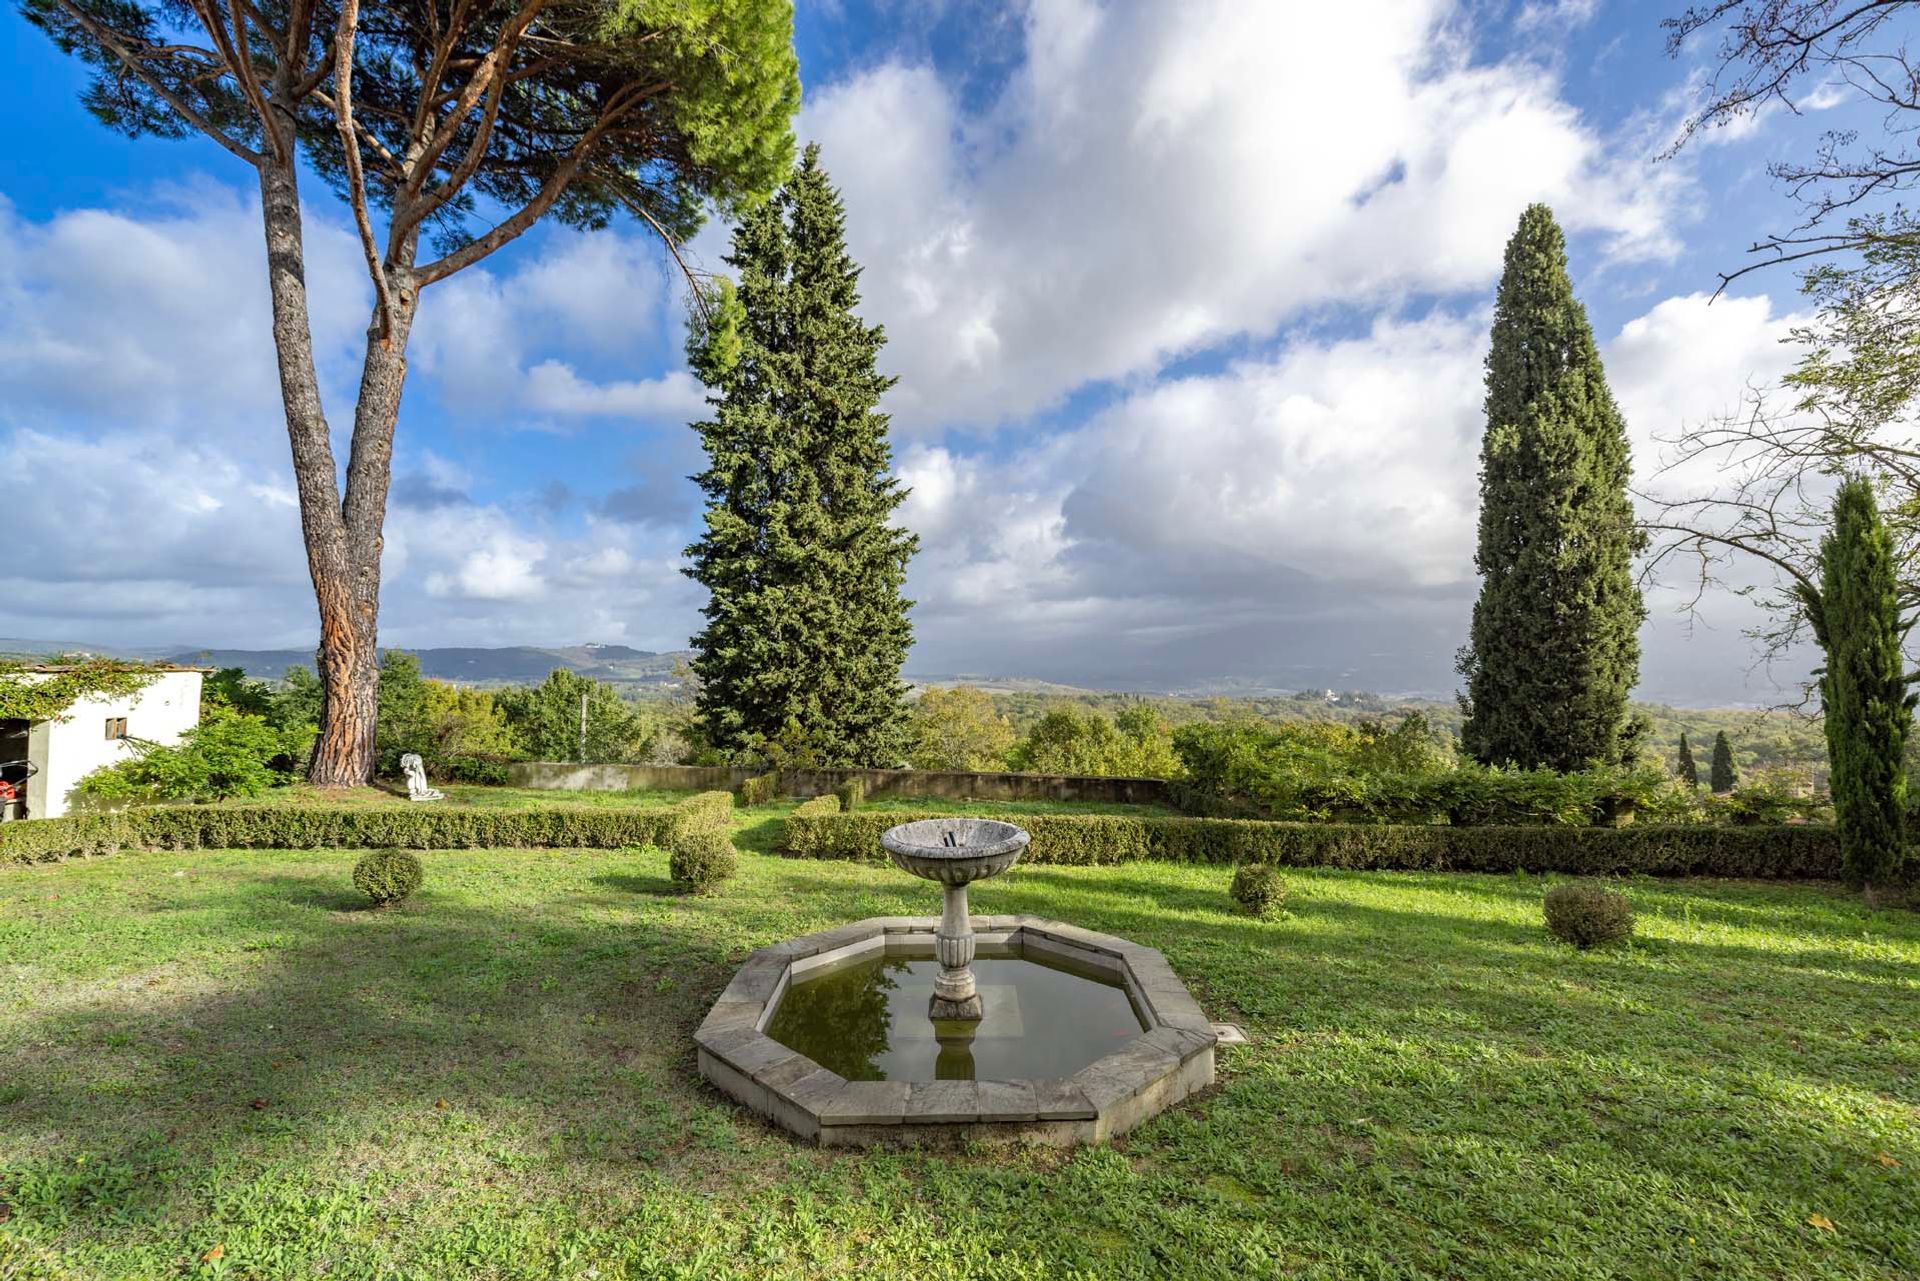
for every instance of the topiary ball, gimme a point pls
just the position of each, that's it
(387, 876)
(701, 858)
(1587, 915)
(1258, 888)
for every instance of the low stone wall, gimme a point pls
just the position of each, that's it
(958, 785)
(561, 776)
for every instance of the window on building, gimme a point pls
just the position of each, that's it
(116, 727)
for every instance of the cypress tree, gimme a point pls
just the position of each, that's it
(1554, 648)
(806, 627)
(1722, 776)
(1689, 772)
(1863, 688)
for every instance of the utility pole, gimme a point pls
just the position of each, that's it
(583, 729)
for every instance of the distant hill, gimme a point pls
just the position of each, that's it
(510, 665)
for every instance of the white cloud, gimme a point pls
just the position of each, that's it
(160, 318)
(482, 335)
(552, 387)
(1157, 178)
(1311, 510)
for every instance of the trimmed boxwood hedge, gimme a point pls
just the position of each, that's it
(1787, 851)
(828, 804)
(420, 827)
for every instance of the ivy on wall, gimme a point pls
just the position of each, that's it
(30, 692)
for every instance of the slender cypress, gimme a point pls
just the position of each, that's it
(806, 627)
(1722, 776)
(1689, 772)
(1555, 645)
(1863, 688)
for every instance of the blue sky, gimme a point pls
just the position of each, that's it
(1187, 303)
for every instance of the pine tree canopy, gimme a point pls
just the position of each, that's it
(1863, 688)
(1554, 648)
(806, 626)
(1722, 775)
(1689, 771)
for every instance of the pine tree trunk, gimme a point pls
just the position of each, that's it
(343, 539)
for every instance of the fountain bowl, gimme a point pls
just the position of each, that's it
(954, 851)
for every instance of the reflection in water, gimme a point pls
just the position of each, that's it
(868, 1021)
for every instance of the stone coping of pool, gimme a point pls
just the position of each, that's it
(1171, 1059)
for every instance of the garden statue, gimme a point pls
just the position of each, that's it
(416, 771)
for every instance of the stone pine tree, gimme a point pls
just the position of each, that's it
(806, 630)
(1554, 647)
(1855, 616)
(1721, 775)
(448, 128)
(1689, 772)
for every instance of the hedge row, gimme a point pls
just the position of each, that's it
(424, 827)
(818, 806)
(1789, 851)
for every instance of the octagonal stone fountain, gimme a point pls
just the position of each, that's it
(918, 1029)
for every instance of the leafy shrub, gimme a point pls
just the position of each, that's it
(228, 754)
(387, 876)
(1135, 744)
(545, 719)
(761, 788)
(959, 729)
(1804, 851)
(491, 771)
(1258, 888)
(850, 794)
(1765, 802)
(1588, 915)
(701, 857)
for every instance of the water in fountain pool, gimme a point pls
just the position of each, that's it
(867, 1020)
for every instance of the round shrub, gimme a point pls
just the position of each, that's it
(387, 876)
(701, 858)
(1258, 888)
(1587, 915)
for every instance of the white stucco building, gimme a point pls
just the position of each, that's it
(97, 730)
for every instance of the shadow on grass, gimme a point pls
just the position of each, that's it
(629, 883)
(760, 832)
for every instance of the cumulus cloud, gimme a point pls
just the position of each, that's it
(1158, 178)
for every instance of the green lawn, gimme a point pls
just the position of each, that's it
(219, 1064)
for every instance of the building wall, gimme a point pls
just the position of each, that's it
(69, 749)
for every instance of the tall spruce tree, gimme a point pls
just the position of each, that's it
(1722, 776)
(1689, 772)
(1863, 689)
(1555, 644)
(806, 627)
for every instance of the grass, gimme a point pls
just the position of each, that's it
(221, 1064)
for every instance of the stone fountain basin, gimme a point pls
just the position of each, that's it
(1171, 1059)
(954, 851)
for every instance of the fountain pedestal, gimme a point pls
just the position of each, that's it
(954, 993)
(956, 852)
